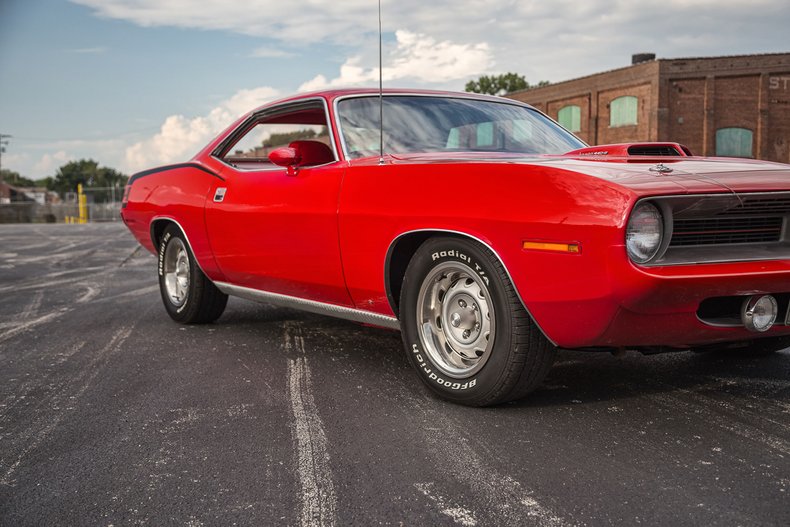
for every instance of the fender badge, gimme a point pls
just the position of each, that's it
(219, 195)
(661, 168)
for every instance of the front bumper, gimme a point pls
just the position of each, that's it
(633, 307)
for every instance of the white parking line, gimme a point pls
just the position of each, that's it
(318, 500)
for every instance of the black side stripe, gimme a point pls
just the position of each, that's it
(144, 173)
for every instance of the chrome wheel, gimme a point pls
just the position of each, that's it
(176, 272)
(456, 319)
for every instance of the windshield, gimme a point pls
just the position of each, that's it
(419, 124)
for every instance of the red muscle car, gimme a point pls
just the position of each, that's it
(484, 231)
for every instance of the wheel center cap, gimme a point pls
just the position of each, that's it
(463, 319)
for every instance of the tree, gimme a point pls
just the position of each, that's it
(17, 180)
(90, 175)
(501, 84)
(13, 178)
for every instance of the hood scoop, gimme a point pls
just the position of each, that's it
(650, 150)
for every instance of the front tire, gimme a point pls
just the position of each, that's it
(464, 328)
(188, 295)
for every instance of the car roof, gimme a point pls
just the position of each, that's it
(331, 95)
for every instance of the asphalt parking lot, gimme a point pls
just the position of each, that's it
(112, 414)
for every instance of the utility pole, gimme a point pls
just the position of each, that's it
(3, 142)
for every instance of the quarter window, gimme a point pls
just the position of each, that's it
(734, 142)
(570, 117)
(623, 111)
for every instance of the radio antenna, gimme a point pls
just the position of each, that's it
(381, 96)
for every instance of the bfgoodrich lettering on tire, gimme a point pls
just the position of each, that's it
(464, 328)
(189, 297)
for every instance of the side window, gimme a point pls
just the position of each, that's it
(623, 111)
(734, 142)
(570, 117)
(270, 132)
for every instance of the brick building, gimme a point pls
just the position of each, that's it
(727, 106)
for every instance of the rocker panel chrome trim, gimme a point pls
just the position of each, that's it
(332, 310)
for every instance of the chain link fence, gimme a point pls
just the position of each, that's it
(32, 212)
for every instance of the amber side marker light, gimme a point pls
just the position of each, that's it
(572, 248)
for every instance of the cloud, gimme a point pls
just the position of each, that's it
(49, 163)
(87, 51)
(270, 53)
(11, 160)
(181, 137)
(417, 57)
(301, 21)
(542, 40)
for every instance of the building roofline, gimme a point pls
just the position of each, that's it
(605, 72)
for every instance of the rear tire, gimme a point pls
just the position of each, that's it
(464, 328)
(188, 295)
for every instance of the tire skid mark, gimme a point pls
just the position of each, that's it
(143, 291)
(32, 308)
(318, 499)
(673, 402)
(131, 255)
(457, 513)
(512, 503)
(767, 388)
(11, 401)
(736, 405)
(25, 326)
(31, 246)
(54, 258)
(34, 436)
(74, 244)
(91, 292)
(714, 392)
(38, 284)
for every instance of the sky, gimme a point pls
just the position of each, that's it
(139, 83)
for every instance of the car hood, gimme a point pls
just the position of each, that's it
(643, 175)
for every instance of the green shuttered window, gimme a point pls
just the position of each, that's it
(623, 111)
(734, 142)
(570, 117)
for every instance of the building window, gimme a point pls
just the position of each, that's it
(570, 117)
(622, 111)
(485, 134)
(734, 142)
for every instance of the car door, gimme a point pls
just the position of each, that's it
(275, 229)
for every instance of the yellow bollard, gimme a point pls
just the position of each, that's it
(82, 200)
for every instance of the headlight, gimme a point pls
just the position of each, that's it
(644, 232)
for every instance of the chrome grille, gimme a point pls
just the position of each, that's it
(725, 227)
(719, 231)
(760, 206)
